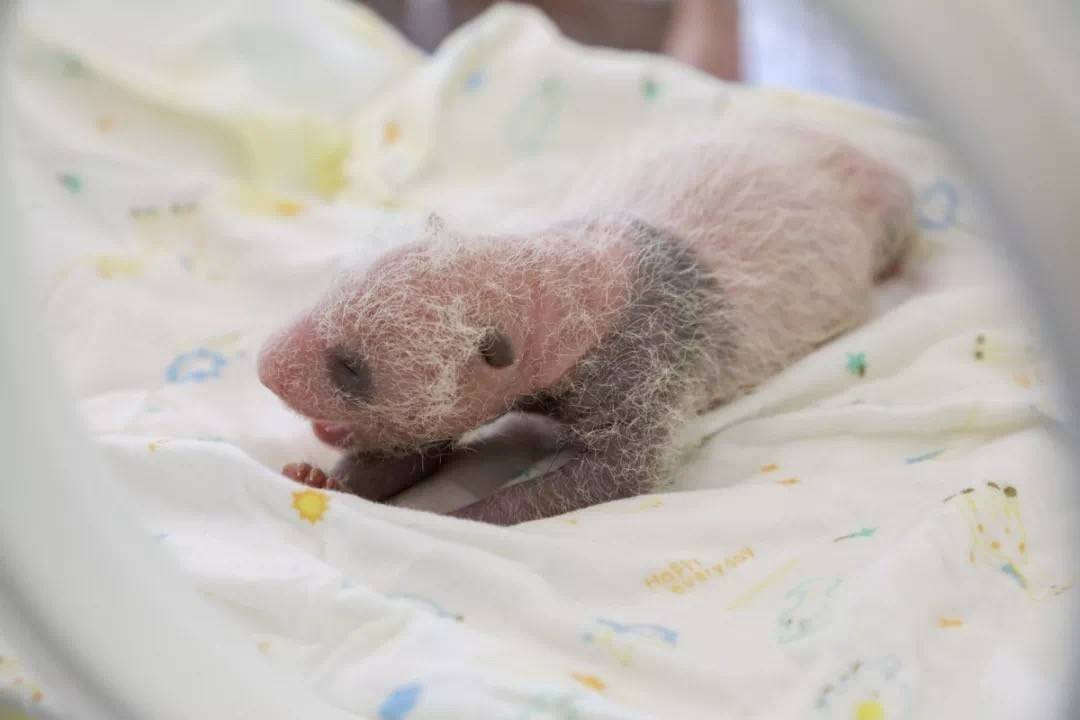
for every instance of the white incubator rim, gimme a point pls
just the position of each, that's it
(999, 80)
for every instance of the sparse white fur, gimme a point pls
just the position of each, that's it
(786, 230)
(774, 213)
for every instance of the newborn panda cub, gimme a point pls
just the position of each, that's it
(683, 278)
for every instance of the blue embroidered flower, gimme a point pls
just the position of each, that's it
(196, 366)
(400, 702)
(474, 80)
(937, 205)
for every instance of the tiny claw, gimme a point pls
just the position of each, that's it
(307, 474)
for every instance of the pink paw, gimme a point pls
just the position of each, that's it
(309, 475)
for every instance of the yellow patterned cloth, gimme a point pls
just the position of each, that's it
(883, 531)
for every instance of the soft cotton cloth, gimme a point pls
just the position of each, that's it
(880, 532)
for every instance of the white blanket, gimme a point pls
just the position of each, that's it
(880, 532)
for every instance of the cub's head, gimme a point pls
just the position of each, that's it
(423, 347)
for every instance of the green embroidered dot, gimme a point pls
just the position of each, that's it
(650, 89)
(71, 66)
(71, 182)
(856, 364)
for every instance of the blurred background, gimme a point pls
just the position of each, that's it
(774, 43)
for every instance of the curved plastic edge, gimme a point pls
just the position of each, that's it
(1000, 82)
(112, 631)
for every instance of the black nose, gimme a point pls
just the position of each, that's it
(349, 374)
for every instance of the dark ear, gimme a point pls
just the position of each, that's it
(496, 349)
(435, 224)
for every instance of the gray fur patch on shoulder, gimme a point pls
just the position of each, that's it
(626, 398)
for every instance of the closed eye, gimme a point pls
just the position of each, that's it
(349, 374)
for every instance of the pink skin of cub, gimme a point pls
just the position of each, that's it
(531, 315)
(789, 227)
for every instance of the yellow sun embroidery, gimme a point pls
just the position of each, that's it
(311, 505)
(109, 267)
(869, 710)
(391, 132)
(288, 208)
(590, 681)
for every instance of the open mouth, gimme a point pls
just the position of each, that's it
(333, 434)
